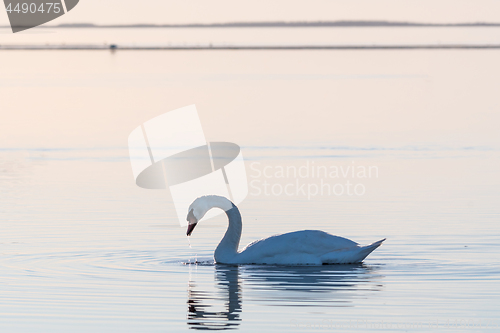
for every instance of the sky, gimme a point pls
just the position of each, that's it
(203, 11)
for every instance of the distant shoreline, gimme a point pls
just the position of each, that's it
(280, 24)
(114, 47)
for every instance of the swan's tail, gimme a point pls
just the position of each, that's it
(376, 244)
(366, 250)
(352, 255)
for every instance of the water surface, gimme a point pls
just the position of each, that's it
(82, 248)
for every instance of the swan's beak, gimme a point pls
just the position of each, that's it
(192, 220)
(190, 229)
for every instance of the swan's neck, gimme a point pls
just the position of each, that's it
(228, 246)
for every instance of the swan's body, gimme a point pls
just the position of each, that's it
(306, 247)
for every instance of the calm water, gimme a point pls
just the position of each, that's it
(254, 36)
(82, 248)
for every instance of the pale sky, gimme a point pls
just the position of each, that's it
(187, 11)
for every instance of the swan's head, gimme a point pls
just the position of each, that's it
(197, 210)
(192, 221)
(201, 206)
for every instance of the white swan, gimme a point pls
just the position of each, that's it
(306, 247)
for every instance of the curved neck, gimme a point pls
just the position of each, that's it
(228, 246)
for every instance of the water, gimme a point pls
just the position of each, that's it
(82, 248)
(254, 36)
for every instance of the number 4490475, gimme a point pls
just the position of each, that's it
(32, 8)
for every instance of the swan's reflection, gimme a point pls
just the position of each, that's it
(329, 285)
(228, 285)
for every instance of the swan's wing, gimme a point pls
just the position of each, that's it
(295, 247)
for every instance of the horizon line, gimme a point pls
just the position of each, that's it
(210, 47)
(276, 24)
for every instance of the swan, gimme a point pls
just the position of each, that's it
(305, 247)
